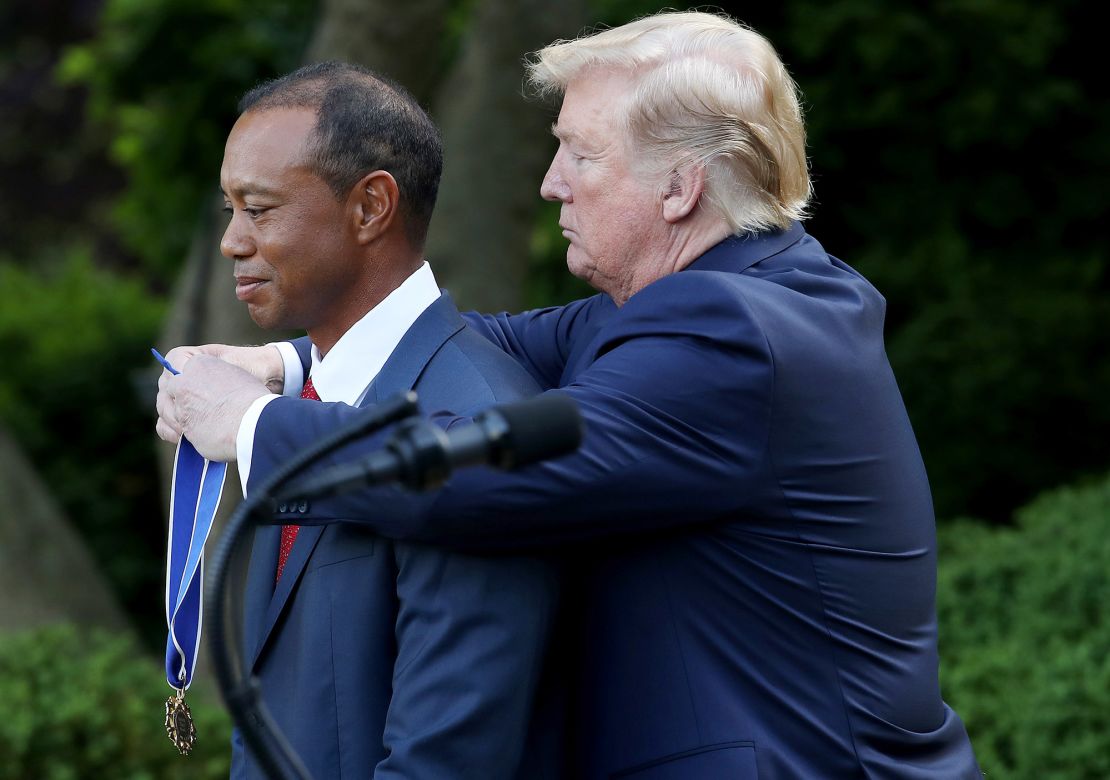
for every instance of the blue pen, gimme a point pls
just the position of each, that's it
(163, 361)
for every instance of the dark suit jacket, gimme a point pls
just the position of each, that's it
(757, 598)
(397, 659)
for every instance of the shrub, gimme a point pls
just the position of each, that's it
(1025, 636)
(80, 704)
(77, 341)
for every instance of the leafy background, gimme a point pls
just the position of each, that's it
(960, 151)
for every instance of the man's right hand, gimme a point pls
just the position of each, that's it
(263, 363)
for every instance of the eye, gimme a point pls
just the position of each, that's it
(253, 211)
(579, 155)
(227, 208)
(565, 149)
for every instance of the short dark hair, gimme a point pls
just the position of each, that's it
(364, 123)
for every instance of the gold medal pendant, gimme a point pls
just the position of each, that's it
(179, 723)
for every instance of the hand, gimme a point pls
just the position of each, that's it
(205, 403)
(263, 363)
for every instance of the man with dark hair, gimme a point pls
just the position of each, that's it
(363, 122)
(375, 658)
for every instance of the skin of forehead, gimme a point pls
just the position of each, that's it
(266, 140)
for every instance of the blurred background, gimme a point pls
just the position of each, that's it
(960, 152)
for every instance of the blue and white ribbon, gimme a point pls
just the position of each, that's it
(194, 499)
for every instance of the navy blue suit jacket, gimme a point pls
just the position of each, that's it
(757, 597)
(397, 659)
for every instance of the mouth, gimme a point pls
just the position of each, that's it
(246, 286)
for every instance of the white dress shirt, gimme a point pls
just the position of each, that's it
(351, 365)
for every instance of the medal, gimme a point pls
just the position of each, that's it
(194, 499)
(179, 723)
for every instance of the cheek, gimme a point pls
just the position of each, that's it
(287, 248)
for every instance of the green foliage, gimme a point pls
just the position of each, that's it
(958, 160)
(74, 336)
(1025, 636)
(163, 78)
(80, 704)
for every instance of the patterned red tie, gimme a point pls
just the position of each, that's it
(289, 532)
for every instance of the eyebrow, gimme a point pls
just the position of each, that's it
(564, 135)
(568, 136)
(250, 188)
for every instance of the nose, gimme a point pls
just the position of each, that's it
(554, 186)
(236, 243)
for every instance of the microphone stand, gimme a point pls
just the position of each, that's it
(240, 691)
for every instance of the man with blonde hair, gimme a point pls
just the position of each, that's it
(753, 585)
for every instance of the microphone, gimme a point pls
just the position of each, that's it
(421, 455)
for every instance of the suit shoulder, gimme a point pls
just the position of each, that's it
(791, 287)
(470, 373)
(689, 304)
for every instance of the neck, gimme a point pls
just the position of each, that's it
(380, 279)
(685, 244)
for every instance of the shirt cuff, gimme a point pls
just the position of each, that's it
(244, 439)
(294, 371)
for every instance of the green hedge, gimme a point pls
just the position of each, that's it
(1025, 644)
(80, 705)
(76, 338)
(1025, 636)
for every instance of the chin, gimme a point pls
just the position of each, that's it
(262, 318)
(577, 267)
(587, 273)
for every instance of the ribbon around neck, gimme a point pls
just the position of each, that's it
(194, 498)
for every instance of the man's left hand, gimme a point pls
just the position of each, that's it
(206, 403)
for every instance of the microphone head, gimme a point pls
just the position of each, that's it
(543, 427)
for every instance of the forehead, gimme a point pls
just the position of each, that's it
(593, 104)
(266, 143)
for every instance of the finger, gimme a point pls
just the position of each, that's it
(166, 412)
(166, 433)
(168, 402)
(162, 403)
(179, 356)
(168, 385)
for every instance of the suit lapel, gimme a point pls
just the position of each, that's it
(432, 329)
(259, 585)
(428, 334)
(307, 539)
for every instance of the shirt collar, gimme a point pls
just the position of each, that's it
(351, 365)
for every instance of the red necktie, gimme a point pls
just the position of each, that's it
(289, 532)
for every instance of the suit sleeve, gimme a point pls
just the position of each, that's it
(540, 340)
(471, 634)
(677, 408)
(304, 351)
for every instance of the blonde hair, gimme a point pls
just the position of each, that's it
(708, 92)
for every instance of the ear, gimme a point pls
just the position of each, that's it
(376, 200)
(685, 186)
